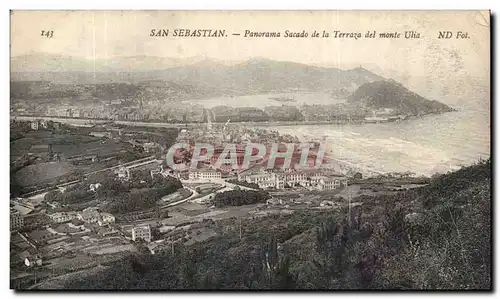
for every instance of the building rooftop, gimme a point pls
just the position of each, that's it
(205, 170)
(146, 227)
(88, 214)
(23, 209)
(263, 175)
(70, 213)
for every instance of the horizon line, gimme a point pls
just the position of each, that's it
(200, 58)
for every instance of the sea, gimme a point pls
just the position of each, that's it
(426, 145)
(423, 146)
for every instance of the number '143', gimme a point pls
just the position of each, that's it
(47, 33)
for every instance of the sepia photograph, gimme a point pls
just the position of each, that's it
(250, 150)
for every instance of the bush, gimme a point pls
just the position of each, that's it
(240, 197)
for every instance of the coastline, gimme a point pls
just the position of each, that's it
(153, 123)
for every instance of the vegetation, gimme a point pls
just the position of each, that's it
(73, 194)
(390, 94)
(244, 184)
(240, 197)
(141, 192)
(437, 237)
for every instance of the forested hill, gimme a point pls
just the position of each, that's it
(435, 237)
(390, 94)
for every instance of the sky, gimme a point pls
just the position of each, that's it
(109, 34)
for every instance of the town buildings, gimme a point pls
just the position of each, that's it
(205, 174)
(280, 179)
(141, 232)
(92, 215)
(34, 125)
(123, 173)
(94, 187)
(60, 217)
(106, 218)
(16, 220)
(89, 215)
(32, 261)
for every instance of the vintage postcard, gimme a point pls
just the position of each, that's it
(250, 150)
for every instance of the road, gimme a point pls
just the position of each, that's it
(193, 194)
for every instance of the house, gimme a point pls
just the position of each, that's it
(106, 218)
(61, 217)
(264, 180)
(43, 123)
(94, 187)
(16, 220)
(123, 173)
(32, 261)
(141, 232)
(292, 177)
(321, 182)
(103, 231)
(205, 174)
(34, 125)
(325, 183)
(274, 201)
(89, 215)
(116, 102)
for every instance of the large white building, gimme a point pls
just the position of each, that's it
(264, 180)
(327, 183)
(205, 174)
(142, 232)
(279, 180)
(60, 217)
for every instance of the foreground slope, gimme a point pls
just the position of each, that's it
(435, 237)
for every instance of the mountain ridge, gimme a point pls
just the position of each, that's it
(254, 75)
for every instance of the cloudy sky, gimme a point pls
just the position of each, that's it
(108, 34)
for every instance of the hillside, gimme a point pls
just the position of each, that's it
(435, 237)
(252, 76)
(390, 94)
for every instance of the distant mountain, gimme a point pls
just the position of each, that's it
(252, 76)
(390, 94)
(43, 62)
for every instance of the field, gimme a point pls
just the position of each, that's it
(66, 144)
(42, 173)
(30, 172)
